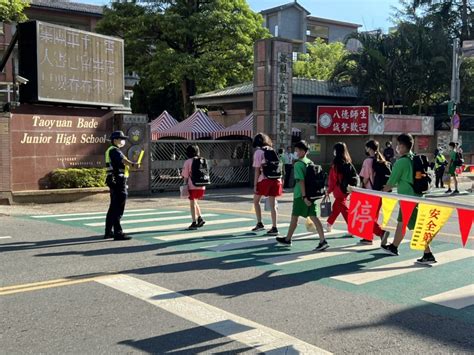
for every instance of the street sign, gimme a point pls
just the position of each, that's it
(456, 121)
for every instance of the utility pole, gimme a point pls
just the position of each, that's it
(455, 90)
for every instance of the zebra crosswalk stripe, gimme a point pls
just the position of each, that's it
(127, 214)
(458, 298)
(148, 220)
(402, 267)
(84, 213)
(177, 226)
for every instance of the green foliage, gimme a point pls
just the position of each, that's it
(320, 60)
(410, 66)
(77, 178)
(13, 10)
(187, 45)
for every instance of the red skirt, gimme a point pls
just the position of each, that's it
(196, 194)
(270, 187)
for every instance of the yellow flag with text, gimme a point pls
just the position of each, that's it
(388, 204)
(429, 222)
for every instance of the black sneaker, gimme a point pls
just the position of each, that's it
(427, 259)
(273, 232)
(121, 236)
(455, 191)
(283, 241)
(193, 226)
(448, 191)
(322, 246)
(390, 249)
(259, 227)
(200, 222)
(366, 242)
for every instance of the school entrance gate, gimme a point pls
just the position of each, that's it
(229, 162)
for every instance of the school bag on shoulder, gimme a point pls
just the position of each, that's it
(459, 161)
(349, 177)
(421, 178)
(271, 167)
(382, 171)
(200, 172)
(314, 181)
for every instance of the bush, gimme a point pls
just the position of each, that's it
(78, 178)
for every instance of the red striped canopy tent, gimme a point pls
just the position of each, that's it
(196, 126)
(241, 128)
(161, 123)
(245, 128)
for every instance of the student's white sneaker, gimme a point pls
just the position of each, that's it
(328, 227)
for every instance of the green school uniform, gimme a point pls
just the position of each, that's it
(299, 206)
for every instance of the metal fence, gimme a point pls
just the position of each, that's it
(229, 162)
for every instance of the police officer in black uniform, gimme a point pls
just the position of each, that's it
(118, 167)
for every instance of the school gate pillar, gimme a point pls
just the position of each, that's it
(273, 89)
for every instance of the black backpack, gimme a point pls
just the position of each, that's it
(459, 161)
(349, 177)
(314, 181)
(421, 178)
(271, 168)
(200, 172)
(382, 171)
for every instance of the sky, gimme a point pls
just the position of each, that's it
(371, 14)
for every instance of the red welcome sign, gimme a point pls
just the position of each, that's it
(342, 120)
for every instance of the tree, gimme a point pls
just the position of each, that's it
(13, 10)
(457, 14)
(320, 60)
(194, 45)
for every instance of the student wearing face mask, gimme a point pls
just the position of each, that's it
(118, 167)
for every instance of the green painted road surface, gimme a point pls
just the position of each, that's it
(445, 289)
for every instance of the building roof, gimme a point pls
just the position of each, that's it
(334, 22)
(66, 6)
(283, 7)
(301, 87)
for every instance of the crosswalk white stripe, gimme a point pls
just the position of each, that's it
(6, 237)
(85, 213)
(314, 255)
(147, 220)
(260, 241)
(402, 267)
(457, 299)
(213, 233)
(127, 214)
(263, 339)
(178, 226)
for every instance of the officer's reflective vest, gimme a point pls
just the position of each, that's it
(110, 169)
(439, 161)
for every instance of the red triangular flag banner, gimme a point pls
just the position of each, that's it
(465, 223)
(407, 208)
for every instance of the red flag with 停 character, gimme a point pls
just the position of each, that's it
(363, 212)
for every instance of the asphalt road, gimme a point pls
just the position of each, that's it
(221, 290)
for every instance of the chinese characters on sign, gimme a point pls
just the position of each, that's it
(79, 67)
(429, 221)
(283, 97)
(363, 212)
(343, 120)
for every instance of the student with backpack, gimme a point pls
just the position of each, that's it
(196, 176)
(267, 180)
(375, 173)
(341, 175)
(410, 177)
(455, 161)
(309, 186)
